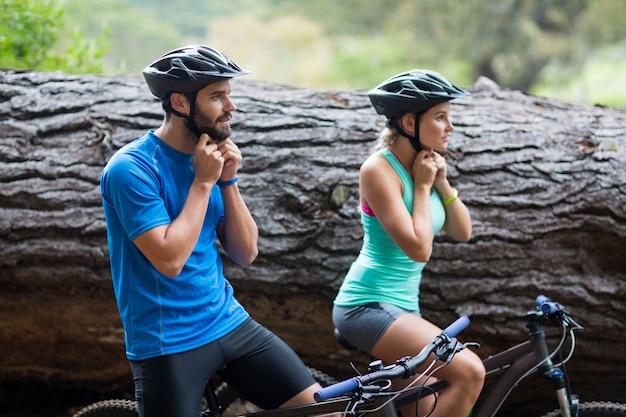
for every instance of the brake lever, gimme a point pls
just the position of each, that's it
(365, 394)
(573, 324)
(446, 353)
(471, 344)
(561, 316)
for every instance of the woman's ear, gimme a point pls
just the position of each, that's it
(179, 103)
(407, 123)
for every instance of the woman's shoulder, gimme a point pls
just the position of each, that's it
(374, 159)
(376, 162)
(378, 170)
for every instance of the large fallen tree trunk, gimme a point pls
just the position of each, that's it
(544, 181)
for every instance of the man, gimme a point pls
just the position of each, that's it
(168, 197)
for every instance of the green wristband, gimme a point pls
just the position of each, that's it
(450, 200)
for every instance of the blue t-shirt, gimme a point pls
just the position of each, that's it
(145, 185)
(382, 272)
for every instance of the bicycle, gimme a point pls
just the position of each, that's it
(371, 394)
(517, 363)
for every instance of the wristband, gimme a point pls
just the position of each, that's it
(224, 184)
(450, 200)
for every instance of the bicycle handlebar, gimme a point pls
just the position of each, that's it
(397, 370)
(556, 313)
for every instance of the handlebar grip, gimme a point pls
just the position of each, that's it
(542, 299)
(546, 305)
(457, 326)
(336, 390)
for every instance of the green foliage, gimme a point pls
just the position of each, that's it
(31, 29)
(28, 30)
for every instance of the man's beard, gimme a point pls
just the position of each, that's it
(209, 126)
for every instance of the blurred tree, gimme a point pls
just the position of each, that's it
(522, 38)
(29, 32)
(509, 41)
(604, 23)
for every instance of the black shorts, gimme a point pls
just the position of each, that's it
(253, 360)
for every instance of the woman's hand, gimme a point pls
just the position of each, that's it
(442, 169)
(424, 168)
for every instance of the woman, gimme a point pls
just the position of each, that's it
(405, 200)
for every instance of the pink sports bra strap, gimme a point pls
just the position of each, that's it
(366, 209)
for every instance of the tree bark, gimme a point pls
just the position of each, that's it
(543, 179)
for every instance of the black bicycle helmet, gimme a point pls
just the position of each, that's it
(189, 69)
(413, 91)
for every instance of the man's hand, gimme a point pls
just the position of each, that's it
(232, 159)
(207, 159)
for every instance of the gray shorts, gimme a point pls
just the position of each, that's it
(364, 325)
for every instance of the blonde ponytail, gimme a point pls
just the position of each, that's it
(386, 138)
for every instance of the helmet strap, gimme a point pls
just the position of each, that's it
(191, 125)
(415, 141)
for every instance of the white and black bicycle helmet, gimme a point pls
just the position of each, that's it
(413, 91)
(187, 70)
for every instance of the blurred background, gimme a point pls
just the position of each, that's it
(571, 50)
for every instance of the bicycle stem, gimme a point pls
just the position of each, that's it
(557, 377)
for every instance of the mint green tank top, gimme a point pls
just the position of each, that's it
(382, 272)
